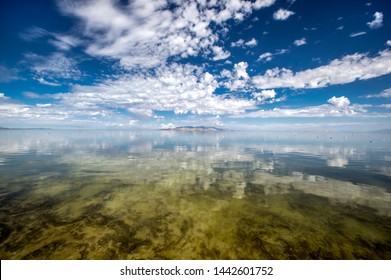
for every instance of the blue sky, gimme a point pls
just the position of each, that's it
(259, 64)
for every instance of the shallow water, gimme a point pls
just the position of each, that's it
(177, 195)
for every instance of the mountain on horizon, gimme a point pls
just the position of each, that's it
(194, 128)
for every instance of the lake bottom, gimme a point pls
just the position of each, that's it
(185, 215)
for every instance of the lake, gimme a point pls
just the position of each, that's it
(116, 194)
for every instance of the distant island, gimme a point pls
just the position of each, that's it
(194, 128)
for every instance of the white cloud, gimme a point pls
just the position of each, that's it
(282, 14)
(167, 126)
(384, 94)
(132, 61)
(263, 3)
(388, 43)
(35, 95)
(44, 105)
(147, 33)
(44, 82)
(8, 110)
(300, 42)
(241, 43)
(339, 71)
(339, 101)
(225, 73)
(333, 109)
(60, 114)
(54, 66)
(238, 43)
(2, 96)
(268, 56)
(356, 34)
(33, 33)
(182, 89)
(63, 113)
(61, 41)
(239, 78)
(64, 42)
(267, 94)
(179, 88)
(220, 53)
(8, 75)
(377, 22)
(252, 43)
(240, 70)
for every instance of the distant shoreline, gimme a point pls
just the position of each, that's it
(193, 129)
(189, 129)
(12, 128)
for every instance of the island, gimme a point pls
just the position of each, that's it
(194, 128)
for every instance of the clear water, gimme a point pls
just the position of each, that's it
(176, 195)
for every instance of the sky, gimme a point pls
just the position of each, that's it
(250, 64)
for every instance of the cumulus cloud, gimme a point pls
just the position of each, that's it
(252, 43)
(238, 43)
(377, 22)
(168, 126)
(282, 14)
(147, 33)
(339, 71)
(182, 89)
(239, 78)
(336, 107)
(300, 42)
(50, 115)
(59, 114)
(267, 94)
(242, 44)
(240, 70)
(263, 3)
(220, 53)
(388, 43)
(11, 109)
(339, 101)
(178, 88)
(8, 110)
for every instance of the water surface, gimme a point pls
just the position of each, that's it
(73, 194)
